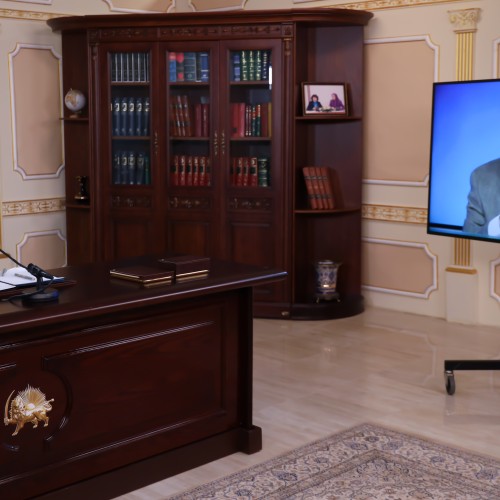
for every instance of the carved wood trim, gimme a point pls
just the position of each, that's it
(263, 204)
(185, 202)
(118, 201)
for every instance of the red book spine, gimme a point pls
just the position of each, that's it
(239, 171)
(246, 170)
(186, 115)
(311, 195)
(196, 170)
(241, 119)
(189, 171)
(203, 171)
(179, 115)
(321, 187)
(316, 188)
(254, 180)
(205, 120)
(328, 186)
(174, 130)
(197, 120)
(248, 119)
(182, 170)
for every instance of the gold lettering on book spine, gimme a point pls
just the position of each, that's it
(29, 406)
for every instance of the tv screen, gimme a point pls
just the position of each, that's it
(464, 182)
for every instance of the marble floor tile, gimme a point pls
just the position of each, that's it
(315, 378)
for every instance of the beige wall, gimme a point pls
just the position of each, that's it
(409, 44)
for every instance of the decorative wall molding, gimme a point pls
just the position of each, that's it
(431, 68)
(28, 122)
(122, 6)
(495, 279)
(48, 248)
(28, 15)
(30, 207)
(45, 2)
(216, 5)
(496, 55)
(422, 247)
(383, 4)
(392, 213)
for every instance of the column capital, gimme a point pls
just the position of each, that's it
(464, 20)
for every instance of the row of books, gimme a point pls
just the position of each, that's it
(131, 167)
(130, 67)
(189, 170)
(249, 171)
(188, 66)
(319, 185)
(250, 120)
(187, 119)
(130, 116)
(250, 65)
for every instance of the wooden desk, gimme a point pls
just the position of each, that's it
(146, 382)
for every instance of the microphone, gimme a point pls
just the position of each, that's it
(41, 294)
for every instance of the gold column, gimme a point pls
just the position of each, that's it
(464, 23)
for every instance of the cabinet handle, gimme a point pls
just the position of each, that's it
(216, 144)
(223, 143)
(155, 144)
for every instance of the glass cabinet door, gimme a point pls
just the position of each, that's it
(130, 106)
(192, 140)
(250, 111)
(129, 173)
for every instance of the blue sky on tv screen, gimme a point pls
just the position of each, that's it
(466, 134)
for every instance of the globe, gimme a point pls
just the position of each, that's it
(75, 101)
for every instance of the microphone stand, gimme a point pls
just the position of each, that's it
(41, 294)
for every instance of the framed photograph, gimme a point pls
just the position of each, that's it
(324, 98)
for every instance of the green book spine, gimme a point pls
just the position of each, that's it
(258, 64)
(251, 65)
(264, 63)
(263, 172)
(244, 65)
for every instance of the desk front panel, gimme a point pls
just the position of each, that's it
(125, 388)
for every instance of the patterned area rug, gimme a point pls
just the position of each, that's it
(366, 462)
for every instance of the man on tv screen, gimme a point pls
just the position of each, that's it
(483, 207)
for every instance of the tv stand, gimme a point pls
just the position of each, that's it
(451, 365)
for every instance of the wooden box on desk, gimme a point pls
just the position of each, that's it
(187, 267)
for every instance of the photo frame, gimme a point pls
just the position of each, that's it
(324, 99)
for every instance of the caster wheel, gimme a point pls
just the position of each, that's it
(450, 382)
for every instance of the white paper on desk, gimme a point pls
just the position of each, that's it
(18, 276)
(5, 286)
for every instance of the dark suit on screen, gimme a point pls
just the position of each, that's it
(484, 198)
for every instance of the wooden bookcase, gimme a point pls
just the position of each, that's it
(229, 217)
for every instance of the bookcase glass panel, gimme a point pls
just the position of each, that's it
(251, 112)
(130, 120)
(189, 131)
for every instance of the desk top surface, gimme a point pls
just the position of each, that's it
(90, 288)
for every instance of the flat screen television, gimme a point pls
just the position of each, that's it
(464, 181)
